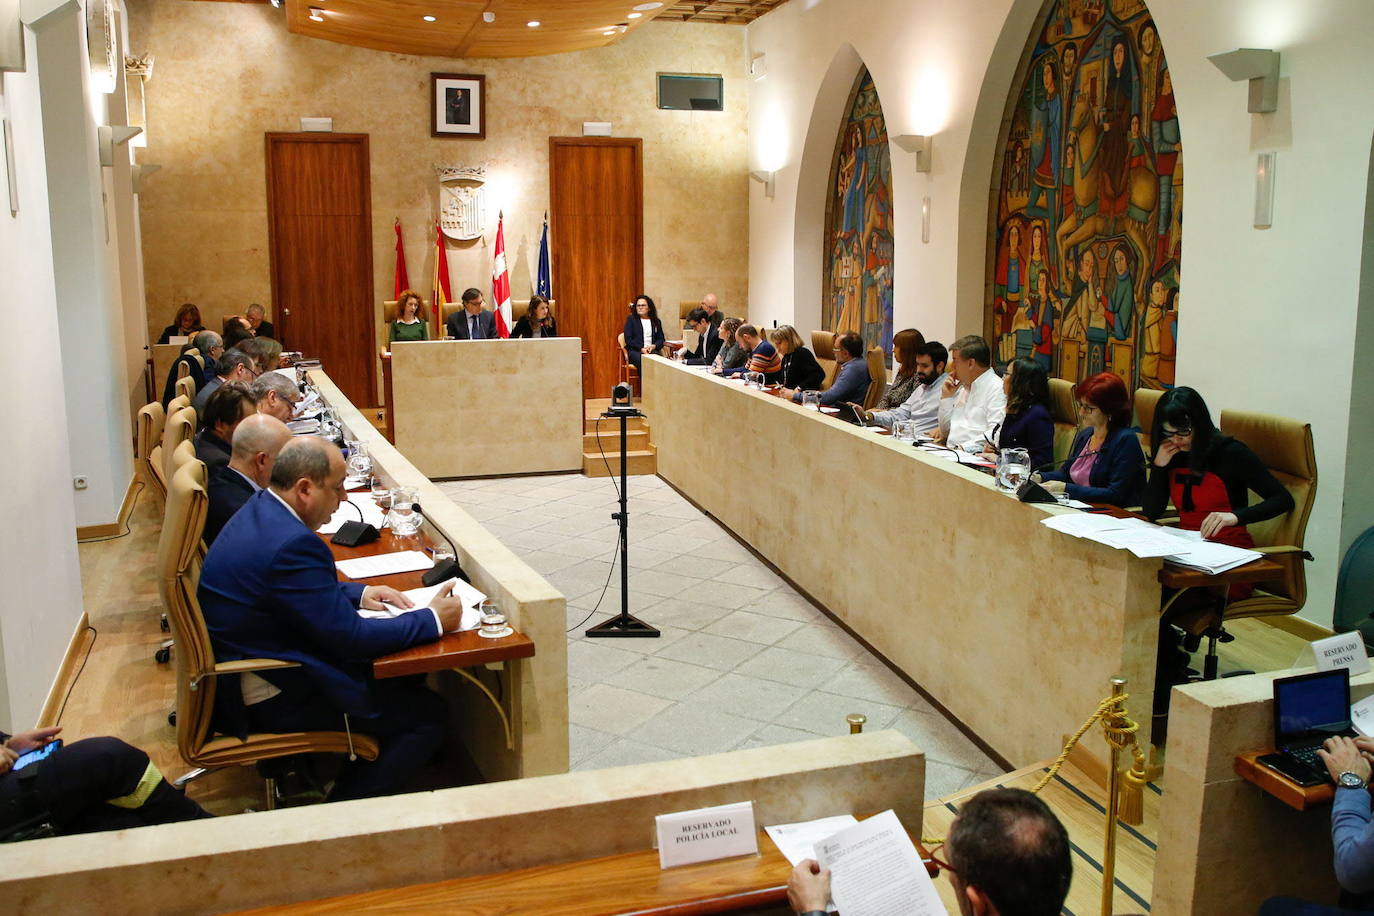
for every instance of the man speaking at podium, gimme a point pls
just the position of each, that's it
(473, 322)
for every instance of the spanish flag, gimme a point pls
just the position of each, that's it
(442, 293)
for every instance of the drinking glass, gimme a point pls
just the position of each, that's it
(811, 400)
(493, 621)
(359, 461)
(381, 493)
(405, 521)
(753, 380)
(1013, 467)
(904, 430)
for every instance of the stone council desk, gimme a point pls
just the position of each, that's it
(476, 408)
(1012, 627)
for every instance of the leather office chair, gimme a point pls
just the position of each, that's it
(1285, 446)
(187, 386)
(1064, 412)
(181, 427)
(877, 374)
(1144, 405)
(184, 453)
(151, 420)
(183, 369)
(179, 565)
(177, 403)
(684, 308)
(823, 347)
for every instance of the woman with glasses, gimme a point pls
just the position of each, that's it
(1208, 477)
(1027, 423)
(1105, 463)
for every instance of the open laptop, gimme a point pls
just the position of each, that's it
(1308, 709)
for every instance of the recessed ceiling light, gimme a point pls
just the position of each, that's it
(316, 14)
(533, 23)
(645, 7)
(427, 18)
(609, 32)
(634, 15)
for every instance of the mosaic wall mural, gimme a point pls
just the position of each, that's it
(1089, 201)
(858, 237)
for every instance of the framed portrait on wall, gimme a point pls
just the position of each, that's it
(458, 105)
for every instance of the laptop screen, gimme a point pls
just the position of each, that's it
(1312, 704)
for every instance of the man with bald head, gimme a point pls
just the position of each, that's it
(256, 442)
(269, 589)
(711, 306)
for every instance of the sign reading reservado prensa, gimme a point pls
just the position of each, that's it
(705, 834)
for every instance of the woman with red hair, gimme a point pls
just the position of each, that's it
(1105, 463)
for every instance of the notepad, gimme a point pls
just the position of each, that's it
(385, 564)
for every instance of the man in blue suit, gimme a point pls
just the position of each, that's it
(269, 590)
(473, 322)
(257, 440)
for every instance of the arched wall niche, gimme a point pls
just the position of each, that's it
(828, 112)
(1084, 219)
(859, 248)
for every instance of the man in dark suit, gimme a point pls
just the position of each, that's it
(473, 322)
(269, 590)
(233, 366)
(256, 443)
(708, 341)
(229, 406)
(258, 322)
(211, 346)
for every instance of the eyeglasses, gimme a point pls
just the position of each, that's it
(1085, 408)
(936, 865)
(1181, 433)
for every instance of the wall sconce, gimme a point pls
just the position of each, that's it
(110, 137)
(925, 219)
(918, 144)
(141, 173)
(1258, 65)
(1264, 190)
(765, 179)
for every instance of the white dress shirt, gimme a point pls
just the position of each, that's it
(923, 406)
(648, 327)
(967, 419)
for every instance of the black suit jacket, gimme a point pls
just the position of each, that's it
(265, 329)
(457, 325)
(707, 348)
(228, 491)
(524, 329)
(169, 390)
(800, 370)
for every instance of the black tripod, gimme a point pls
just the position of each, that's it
(626, 624)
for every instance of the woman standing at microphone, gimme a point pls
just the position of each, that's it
(1105, 463)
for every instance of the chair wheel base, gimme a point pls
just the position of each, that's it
(172, 718)
(162, 656)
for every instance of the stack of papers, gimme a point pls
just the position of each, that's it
(423, 597)
(303, 427)
(360, 503)
(385, 564)
(1184, 548)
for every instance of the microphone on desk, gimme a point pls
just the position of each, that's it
(1033, 492)
(355, 534)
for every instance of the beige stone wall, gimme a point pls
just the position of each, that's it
(226, 73)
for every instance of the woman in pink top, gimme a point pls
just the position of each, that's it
(1105, 463)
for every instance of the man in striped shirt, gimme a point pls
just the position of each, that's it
(763, 356)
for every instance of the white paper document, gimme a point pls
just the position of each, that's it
(423, 597)
(1145, 539)
(384, 564)
(348, 513)
(303, 427)
(798, 841)
(876, 871)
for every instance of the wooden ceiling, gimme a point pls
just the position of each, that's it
(458, 29)
(729, 12)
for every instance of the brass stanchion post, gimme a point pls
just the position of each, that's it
(1114, 719)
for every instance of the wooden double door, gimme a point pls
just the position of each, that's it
(596, 197)
(319, 217)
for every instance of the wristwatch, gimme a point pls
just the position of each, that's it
(1349, 780)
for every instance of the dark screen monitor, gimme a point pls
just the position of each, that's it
(1310, 705)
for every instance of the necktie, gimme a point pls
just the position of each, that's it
(473, 332)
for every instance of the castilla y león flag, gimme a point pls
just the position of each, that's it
(500, 281)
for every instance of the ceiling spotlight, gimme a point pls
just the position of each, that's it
(275, 3)
(609, 32)
(488, 17)
(635, 15)
(533, 23)
(645, 7)
(427, 18)
(316, 14)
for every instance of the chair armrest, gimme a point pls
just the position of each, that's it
(1281, 550)
(250, 664)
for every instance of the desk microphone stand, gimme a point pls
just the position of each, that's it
(626, 624)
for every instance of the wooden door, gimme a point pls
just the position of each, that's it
(596, 197)
(319, 218)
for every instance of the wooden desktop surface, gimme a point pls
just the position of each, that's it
(453, 650)
(626, 883)
(1249, 768)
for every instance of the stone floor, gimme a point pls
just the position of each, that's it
(743, 660)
